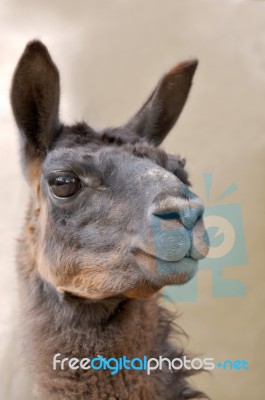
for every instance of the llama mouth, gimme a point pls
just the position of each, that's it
(172, 271)
(186, 265)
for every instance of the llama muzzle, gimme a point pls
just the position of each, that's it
(177, 237)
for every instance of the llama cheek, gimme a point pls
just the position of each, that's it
(44, 268)
(145, 261)
(43, 219)
(28, 258)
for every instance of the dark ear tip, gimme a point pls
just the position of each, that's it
(191, 65)
(35, 46)
(37, 59)
(188, 67)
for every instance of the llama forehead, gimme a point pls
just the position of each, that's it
(83, 134)
(157, 173)
(108, 161)
(111, 157)
(82, 143)
(67, 158)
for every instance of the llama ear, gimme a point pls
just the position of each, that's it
(35, 99)
(162, 109)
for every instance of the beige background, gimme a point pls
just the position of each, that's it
(111, 54)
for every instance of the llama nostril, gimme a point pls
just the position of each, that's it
(187, 210)
(190, 215)
(166, 215)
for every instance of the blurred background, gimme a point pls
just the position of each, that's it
(110, 55)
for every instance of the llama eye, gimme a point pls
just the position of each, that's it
(64, 184)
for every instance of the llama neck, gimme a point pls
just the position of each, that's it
(74, 328)
(116, 327)
(52, 314)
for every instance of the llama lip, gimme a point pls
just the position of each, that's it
(187, 265)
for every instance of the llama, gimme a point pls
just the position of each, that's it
(97, 244)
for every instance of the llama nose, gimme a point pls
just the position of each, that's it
(186, 207)
(190, 215)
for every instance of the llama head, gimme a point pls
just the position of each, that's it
(110, 214)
